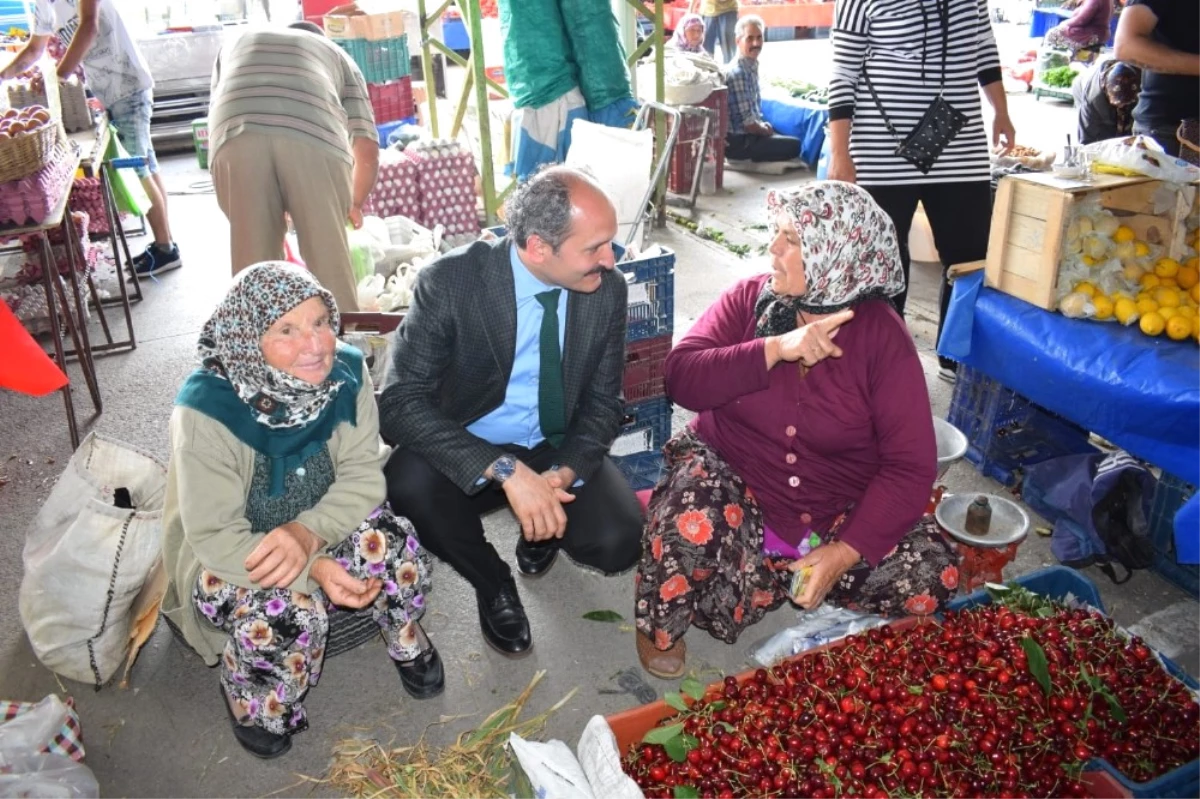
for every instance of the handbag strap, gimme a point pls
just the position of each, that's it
(944, 19)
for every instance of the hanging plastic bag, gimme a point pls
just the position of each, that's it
(127, 187)
(88, 556)
(49, 727)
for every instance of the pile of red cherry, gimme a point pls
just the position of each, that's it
(989, 701)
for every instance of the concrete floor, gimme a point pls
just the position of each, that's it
(168, 736)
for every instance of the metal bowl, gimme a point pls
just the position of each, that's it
(951, 445)
(1009, 524)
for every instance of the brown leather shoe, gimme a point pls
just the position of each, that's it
(666, 664)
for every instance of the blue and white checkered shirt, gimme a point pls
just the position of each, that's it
(745, 105)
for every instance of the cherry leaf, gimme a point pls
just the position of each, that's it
(676, 749)
(686, 792)
(660, 735)
(675, 700)
(693, 688)
(1038, 667)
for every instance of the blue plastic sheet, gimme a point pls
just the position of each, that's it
(806, 121)
(1140, 393)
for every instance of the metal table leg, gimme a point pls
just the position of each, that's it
(49, 274)
(83, 345)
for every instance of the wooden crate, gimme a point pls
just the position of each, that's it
(1029, 221)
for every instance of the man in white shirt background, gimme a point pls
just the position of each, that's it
(95, 35)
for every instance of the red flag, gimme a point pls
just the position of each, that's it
(24, 366)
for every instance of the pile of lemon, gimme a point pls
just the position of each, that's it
(1161, 299)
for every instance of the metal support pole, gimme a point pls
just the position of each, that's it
(426, 22)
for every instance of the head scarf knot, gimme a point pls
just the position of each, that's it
(848, 248)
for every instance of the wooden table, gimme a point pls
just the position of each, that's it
(76, 319)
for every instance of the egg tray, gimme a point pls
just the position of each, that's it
(30, 198)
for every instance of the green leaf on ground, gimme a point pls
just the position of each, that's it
(603, 615)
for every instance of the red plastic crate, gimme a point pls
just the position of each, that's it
(687, 145)
(392, 100)
(644, 368)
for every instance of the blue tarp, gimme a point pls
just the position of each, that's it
(806, 121)
(1141, 393)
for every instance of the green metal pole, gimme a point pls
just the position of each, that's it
(427, 66)
(660, 124)
(471, 13)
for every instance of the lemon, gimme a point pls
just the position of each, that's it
(1104, 307)
(1169, 282)
(1167, 297)
(1150, 280)
(1124, 233)
(1145, 306)
(1187, 311)
(1141, 249)
(1152, 324)
(1168, 313)
(1084, 287)
(1089, 260)
(1166, 267)
(1125, 310)
(1132, 272)
(1178, 328)
(1196, 327)
(1188, 275)
(1194, 293)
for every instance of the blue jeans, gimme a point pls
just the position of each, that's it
(131, 117)
(721, 28)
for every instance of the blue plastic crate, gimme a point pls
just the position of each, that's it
(380, 61)
(1169, 497)
(1005, 431)
(643, 470)
(1056, 582)
(646, 427)
(654, 315)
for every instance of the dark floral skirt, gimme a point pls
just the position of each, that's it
(703, 563)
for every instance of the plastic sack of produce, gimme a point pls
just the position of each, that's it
(543, 135)
(1139, 155)
(603, 77)
(538, 64)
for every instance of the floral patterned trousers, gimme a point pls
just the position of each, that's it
(703, 562)
(277, 637)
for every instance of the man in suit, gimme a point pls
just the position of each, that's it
(506, 387)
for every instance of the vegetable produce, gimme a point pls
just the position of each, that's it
(1000, 700)
(1059, 77)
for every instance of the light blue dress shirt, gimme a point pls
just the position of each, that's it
(516, 420)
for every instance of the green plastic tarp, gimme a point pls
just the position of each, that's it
(596, 44)
(538, 64)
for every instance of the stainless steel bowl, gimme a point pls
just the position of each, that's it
(951, 445)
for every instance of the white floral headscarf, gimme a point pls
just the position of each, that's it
(848, 245)
(231, 344)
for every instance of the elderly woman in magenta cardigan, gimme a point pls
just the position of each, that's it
(813, 449)
(1086, 28)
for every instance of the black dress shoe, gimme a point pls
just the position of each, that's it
(503, 622)
(534, 560)
(256, 740)
(423, 676)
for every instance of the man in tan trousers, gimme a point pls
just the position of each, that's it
(291, 132)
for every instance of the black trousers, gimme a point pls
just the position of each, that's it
(743, 146)
(604, 523)
(960, 216)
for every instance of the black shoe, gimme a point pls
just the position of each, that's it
(503, 621)
(534, 560)
(256, 740)
(423, 676)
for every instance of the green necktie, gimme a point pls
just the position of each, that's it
(551, 416)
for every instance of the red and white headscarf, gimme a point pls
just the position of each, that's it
(848, 246)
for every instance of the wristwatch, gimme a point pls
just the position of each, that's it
(503, 468)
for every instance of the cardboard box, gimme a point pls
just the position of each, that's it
(357, 25)
(1029, 221)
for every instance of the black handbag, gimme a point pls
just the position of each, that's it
(940, 123)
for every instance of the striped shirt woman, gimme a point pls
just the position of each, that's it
(912, 50)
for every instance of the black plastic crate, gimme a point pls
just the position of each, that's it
(1005, 431)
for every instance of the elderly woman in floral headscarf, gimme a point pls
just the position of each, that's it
(813, 448)
(689, 34)
(274, 507)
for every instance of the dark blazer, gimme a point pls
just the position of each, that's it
(454, 353)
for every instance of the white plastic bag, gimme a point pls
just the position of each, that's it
(46, 727)
(601, 762)
(45, 776)
(86, 560)
(552, 769)
(620, 160)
